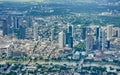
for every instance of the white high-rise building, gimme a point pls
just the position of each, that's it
(35, 31)
(52, 34)
(89, 42)
(118, 32)
(109, 32)
(61, 39)
(103, 39)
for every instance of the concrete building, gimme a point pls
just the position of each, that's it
(61, 39)
(52, 34)
(103, 39)
(118, 32)
(35, 31)
(89, 42)
(109, 32)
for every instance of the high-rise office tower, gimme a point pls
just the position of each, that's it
(15, 22)
(35, 31)
(70, 42)
(22, 32)
(29, 33)
(69, 36)
(29, 21)
(52, 34)
(70, 30)
(118, 32)
(103, 39)
(83, 34)
(61, 39)
(16, 27)
(89, 42)
(5, 28)
(100, 39)
(108, 44)
(9, 24)
(109, 32)
(97, 33)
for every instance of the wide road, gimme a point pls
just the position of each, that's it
(67, 63)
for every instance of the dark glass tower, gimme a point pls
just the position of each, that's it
(108, 44)
(97, 33)
(22, 32)
(5, 28)
(70, 30)
(83, 34)
(69, 36)
(16, 22)
(70, 43)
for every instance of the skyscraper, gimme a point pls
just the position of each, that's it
(70, 42)
(118, 32)
(52, 34)
(100, 39)
(35, 31)
(9, 24)
(83, 34)
(89, 42)
(22, 32)
(108, 44)
(69, 36)
(5, 28)
(109, 32)
(97, 33)
(70, 30)
(103, 39)
(61, 39)
(15, 22)
(29, 21)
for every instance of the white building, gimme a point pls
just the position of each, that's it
(89, 42)
(52, 34)
(35, 31)
(103, 39)
(118, 32)
(109, 32)
(61, 39)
